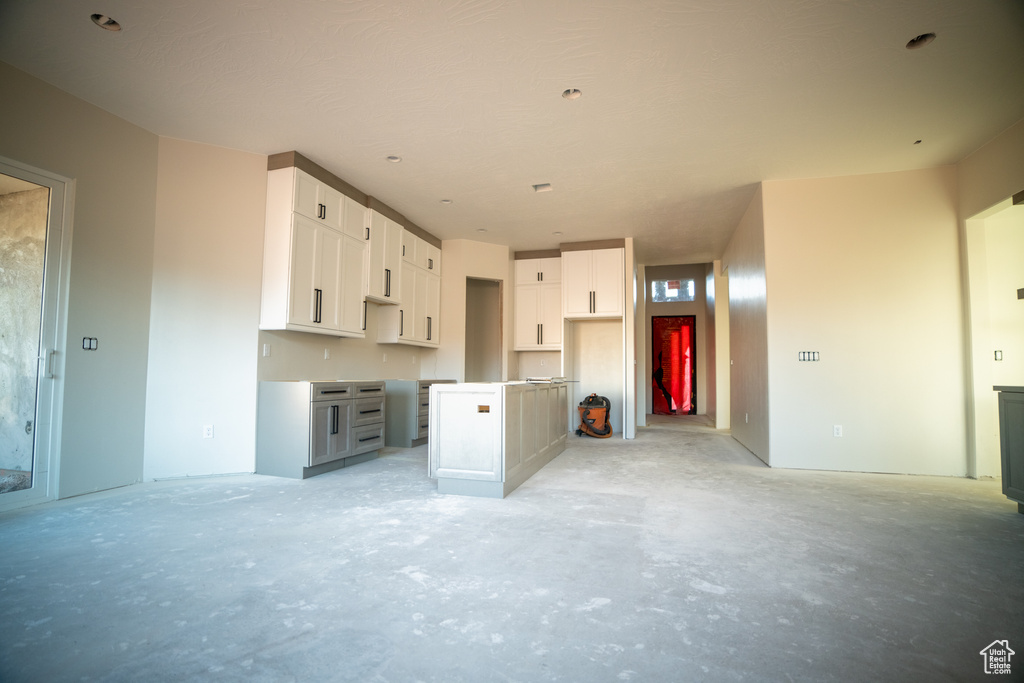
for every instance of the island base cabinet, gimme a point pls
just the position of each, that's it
(487, 439)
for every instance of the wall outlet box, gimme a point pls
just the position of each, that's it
(837, 430)
(207, 431)
(327, 354)
(266, 350)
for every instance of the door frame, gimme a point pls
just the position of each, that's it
(692, 318)
(53, 335)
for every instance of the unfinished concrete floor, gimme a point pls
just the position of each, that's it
(675, 557)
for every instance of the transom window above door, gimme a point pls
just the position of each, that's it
(671, 291)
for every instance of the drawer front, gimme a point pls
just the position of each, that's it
(422, 426)
(330, 391)
(367, 389)
(367, 438)
(368, 411)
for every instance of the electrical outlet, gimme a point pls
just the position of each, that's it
(266, 350)
(837, 430)
(207, 431)
(542, 362)
(385, 358)
(746, 417)
(327, 354)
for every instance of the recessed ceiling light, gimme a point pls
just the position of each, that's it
(103, 21)
(446, 201)
(543, 187)
(393, 159)
(572, 94)
(920, 41)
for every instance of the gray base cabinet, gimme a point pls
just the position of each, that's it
(408, 411)
(308, 428)
(1011, 442)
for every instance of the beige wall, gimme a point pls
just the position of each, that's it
(596, 350)
(865, 270)
(207, 269)
(986, 179)
(716, 296)
(744, 261)
(464, 259)
(483, 339)
(114, 166)
(696, 308)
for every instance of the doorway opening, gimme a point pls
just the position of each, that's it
(34, 250)
(674, 373)
(483, 330)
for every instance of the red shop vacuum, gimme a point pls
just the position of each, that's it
(594, 417)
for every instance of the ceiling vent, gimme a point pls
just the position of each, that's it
(543, 187)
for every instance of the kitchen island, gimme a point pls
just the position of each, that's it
(487, 438)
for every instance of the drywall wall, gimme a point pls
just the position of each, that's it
(536, 364)
(483, 330)
(996, 270)
(114, 166)
(470, 259)
(696, 308)
(207, 269)
(716, 298)
(986, 180)
(993, 173)
(597, 354)
(744, 261)
(22, 247)
(865, 271)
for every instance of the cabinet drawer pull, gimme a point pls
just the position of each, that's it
(364, 315)
(387, 282)
(367, 233)
(369, 412)
(401, 322)
(335, 415)
(375, 390)
(369, 438)
(334, 391)
(428, 328)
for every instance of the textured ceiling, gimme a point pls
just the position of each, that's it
(686, 104)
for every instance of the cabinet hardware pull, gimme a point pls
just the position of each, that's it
(538, 333)
(335, 413)
(368, 412)
(401, 322)
(541, 326)
(369, 438)
(428, 328)
(387, 282)
(334, 391)
(430, 261)
(367, 232)
(403, 250)
(318, 295)
(540, 276)
(364, 315)
(373, 389)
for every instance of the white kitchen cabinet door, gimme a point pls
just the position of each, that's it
(315, 287)
(354, 221)
(384, 283)
(352, 281)
(592, 283)
(317, 200)
(607, 276)
(433, 335)
(550, 316)
(527, 318)
(576, 283)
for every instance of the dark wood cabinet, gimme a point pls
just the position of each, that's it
(1011, 442)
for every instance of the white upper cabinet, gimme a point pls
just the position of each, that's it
(384, 283)
(416, 318)
(537, 324)
(592, 283)
(533, 270)
(317, 200)
(313, 270)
